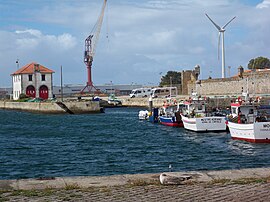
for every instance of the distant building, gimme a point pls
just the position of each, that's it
(75, 89)
(34, 80)
(5, 92)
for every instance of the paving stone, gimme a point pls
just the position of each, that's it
(201, 191)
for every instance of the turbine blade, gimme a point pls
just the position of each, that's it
(218, 27)
(228, 22)
(218, 43)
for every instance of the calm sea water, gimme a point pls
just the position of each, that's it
(35, 145)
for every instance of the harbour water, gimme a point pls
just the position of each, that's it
(37, 145)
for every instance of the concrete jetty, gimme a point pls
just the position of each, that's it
(71, 107)
(225, 185)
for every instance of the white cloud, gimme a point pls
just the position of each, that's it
(31, 39)
(67, 41)
(264, 4)
(33, 32)
(184, 4)
(147, 35)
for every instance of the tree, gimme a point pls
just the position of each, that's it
(259, 63)
(171, 77)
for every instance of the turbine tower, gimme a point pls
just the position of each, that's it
(221, 31)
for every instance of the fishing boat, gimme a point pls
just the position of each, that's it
(249, 121)
(143, 114)
(112, 100)
(195, 117)
(170, 115)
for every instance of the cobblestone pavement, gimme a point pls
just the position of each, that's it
(195, 192)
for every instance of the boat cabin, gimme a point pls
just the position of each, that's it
(246, 113)
(195, 108)
(170, 110)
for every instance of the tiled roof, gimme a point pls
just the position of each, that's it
(29, 69)
(249, 71)
(257, 70)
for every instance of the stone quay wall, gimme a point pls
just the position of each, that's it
(144, 102)
(52, 107)
(158, 102)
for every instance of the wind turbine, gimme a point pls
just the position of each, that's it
(221, 30)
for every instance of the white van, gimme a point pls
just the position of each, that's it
(140, 92)
(164, 92)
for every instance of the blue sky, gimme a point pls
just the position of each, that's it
(145, 37)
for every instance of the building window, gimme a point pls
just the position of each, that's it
(43, 77)
(30, 77)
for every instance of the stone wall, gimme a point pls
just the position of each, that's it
(158, 102)
(144, 102)
(188, 76)
(258, 83)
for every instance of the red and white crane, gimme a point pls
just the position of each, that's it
(90, 48)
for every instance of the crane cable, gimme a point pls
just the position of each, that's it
(107, 23)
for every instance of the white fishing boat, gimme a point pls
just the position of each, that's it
(249, 121)
(143, 114)
(196, 118)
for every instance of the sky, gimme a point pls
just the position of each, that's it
(140, 40)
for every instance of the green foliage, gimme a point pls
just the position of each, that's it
(22, 100)
(259, 63)
(23, 96)
(171, 77)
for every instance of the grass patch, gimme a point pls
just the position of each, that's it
(220, 181)
(250, 180)
(142, 182)
(71, 186)
(3, 199)
(28, 193)
(90, 189)
(105, 190)
(33, 193)
(239, 181)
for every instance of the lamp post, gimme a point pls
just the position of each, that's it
(111, 87)
(61, 81)
(17, 62)
(170, 86)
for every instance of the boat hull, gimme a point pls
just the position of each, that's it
(213, 123)
(170, 121)
(257, 132)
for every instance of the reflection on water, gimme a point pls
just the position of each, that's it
(245, 148)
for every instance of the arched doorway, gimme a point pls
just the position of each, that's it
(43, 92)
(31, 91)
